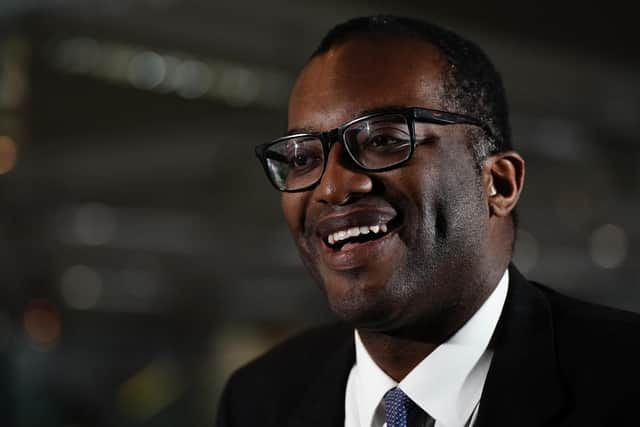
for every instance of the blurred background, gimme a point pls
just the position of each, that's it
(143, 256)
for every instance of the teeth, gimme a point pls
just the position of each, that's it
(355, 231)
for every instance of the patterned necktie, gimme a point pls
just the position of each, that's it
(396, 407)
(400, 411)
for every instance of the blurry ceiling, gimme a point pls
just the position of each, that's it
(604, 30)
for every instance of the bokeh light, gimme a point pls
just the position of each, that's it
(151, 389)
(81, 287)
(8, 154)
(147, 70)
(193, 79)
(608, 246)
(166, 72)
(42, 324)
(94, 224)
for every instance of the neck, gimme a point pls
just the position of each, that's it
(396, 356)
(398, 353)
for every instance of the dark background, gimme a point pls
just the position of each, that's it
(142, 252)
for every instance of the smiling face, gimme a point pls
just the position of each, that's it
(396, 249)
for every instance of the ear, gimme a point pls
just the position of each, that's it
(503, 177)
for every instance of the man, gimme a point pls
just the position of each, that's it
(399, 185)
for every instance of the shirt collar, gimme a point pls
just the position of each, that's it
(371, 383)
(448, 383)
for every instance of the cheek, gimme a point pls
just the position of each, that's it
(438, 199)
(418, 185)
(294, 207)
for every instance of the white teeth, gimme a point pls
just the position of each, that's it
(355, 231)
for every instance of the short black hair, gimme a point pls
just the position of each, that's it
(472, 85)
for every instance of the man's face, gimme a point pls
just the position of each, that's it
(433, 209)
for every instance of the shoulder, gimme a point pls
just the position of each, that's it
(275, 381)
(597, 347)
(296, 355)
(583, 323)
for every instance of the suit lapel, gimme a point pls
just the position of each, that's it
(523, 386)
(323, 402)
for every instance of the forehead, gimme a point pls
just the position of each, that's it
(365, 73)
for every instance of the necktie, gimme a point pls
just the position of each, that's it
(400, 411)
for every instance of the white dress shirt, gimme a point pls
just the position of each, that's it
(447, 384)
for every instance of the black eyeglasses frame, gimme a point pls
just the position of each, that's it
(336, 136)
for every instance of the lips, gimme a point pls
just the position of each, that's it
(349, 219)
(355, 236)
(342, 236)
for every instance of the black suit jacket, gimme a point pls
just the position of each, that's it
(557, 362)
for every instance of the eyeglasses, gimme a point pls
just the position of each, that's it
(375, 142)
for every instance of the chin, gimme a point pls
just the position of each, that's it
(369, 318)
(367, 306)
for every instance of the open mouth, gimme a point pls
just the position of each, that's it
(347, 237)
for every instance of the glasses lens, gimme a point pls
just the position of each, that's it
(295, 163)
(380, 141)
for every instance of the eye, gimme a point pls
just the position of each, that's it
(304, 157)
(388, 139)
(299, 160)
(382, 141)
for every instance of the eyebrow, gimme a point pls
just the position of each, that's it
(294, 131)
(379, 109)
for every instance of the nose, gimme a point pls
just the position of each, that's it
(342, 180)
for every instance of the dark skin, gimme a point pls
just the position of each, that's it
(450, 236)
